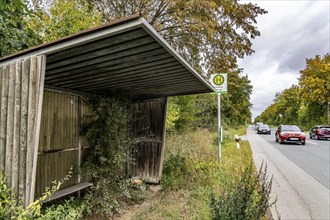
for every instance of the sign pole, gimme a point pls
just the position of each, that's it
(219, 83)
(219, 128)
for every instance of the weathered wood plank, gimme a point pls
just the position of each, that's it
(3, 119)
(148, 122)
(23, 131)
(40, 73)
(114, 51)
(78, 137)
(135, 80)
(10, 124)
(32, 103)
(70, 190)
(163, 135)
(113, 77)
(16, 131)
(120, 38)
(117, 71)
(124, 62)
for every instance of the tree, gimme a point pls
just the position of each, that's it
(210, 34)
(14, 34)
(315, 90)
(190, 112)
(236, 104)
(58, 18)
(285, 108)
(314, 80)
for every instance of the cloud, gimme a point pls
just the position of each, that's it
(291, 32)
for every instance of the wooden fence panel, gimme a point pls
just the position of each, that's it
(58, 122)
(59, 138)
(21, 99)
(149, 120)
(60, 144)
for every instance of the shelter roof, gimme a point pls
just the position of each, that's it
(126, 56)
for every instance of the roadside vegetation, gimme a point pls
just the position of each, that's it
(194, 186)
(197, 186)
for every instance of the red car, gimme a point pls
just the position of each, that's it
(320, 132)
(290, 134)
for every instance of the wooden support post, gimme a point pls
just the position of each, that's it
(3, 119)
(41, 68)
(163, 138)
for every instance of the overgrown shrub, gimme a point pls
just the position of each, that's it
(108, 134)
(175, 172)
(110, 153)
(9, 207)
(69, 210)
(248, 199)
(6, 198)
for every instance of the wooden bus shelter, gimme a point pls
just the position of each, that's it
(43, 93)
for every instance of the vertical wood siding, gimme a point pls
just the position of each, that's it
(21, 92)
(149, 120)
(60, 144)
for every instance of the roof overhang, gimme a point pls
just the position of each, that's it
(127, 57)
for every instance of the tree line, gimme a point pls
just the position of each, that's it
(210, 34)
(306, 104)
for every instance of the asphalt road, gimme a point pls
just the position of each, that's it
(313, 157)
(300, 175)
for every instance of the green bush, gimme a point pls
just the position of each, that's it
(175, 172)
(69, 210)
(248, 199)
(9, 207)
(6, 198)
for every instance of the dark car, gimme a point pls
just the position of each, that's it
(290, 134)
(320, 132)
(257, 125)
(263, 129)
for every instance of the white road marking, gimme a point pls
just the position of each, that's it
(311, 142)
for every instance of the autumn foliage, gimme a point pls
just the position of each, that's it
(307, 103)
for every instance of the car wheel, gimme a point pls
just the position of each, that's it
(303, 143)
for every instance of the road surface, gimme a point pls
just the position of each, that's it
(300, 175)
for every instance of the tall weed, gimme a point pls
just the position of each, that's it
(247, 199)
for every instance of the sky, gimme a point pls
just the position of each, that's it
(292, 31)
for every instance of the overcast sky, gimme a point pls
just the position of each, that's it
(291, 32)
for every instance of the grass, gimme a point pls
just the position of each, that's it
(191, 170)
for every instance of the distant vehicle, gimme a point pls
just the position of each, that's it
(290, 134)
(263, 129)
(257, 125)
(320, 132)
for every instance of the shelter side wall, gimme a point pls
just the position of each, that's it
(21, 92)
(60, 144)
(149, 120)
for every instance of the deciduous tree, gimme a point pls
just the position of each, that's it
(58, 18)
(14, 34)
(210, 34)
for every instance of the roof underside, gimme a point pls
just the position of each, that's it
(133, 62)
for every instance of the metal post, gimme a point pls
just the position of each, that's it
(219, 128)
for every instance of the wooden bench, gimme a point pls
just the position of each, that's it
(69, 190)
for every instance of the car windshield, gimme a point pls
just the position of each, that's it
(290, 128)
(264, 126)
(325, 128)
